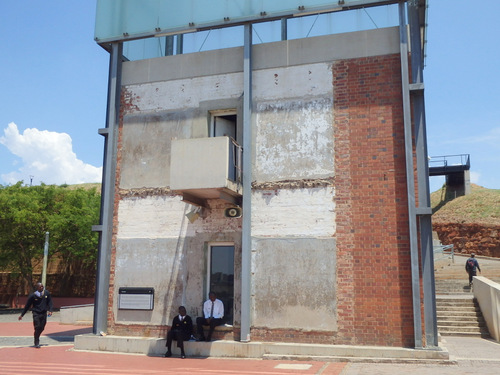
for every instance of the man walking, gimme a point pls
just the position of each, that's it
(470, 266)
(41, 305)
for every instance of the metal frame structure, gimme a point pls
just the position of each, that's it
(418, 215)
(105, 228)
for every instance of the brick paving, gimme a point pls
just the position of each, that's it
(469, 355)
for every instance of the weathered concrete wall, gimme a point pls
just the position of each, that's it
(157, 247)
(295, 166)
(294, 283)
(487, 293)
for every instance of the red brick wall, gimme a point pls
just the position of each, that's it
(125, 104)
(373, 252)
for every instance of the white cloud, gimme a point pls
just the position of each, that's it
(491, 137)
(48, 156)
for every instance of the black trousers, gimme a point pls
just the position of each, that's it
(471, 275)
(178, 335)
(201, 321)
(39, 322)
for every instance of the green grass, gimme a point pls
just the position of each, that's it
(86, 186)
(481, 206)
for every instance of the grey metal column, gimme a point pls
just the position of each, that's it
(169, 45)
(424, 201)
(246, 235)
(410, 181)
(284, 28)
(107, 190)
(180, 44)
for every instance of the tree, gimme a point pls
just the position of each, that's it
(72, 239)
(27, 212)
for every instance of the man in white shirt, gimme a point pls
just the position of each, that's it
(213, 312)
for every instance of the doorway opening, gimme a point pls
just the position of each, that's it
(221, 277)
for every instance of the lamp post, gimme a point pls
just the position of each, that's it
(45, 256)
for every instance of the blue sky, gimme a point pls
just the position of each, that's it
(54, 81)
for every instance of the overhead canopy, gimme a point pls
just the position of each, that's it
(134, 19)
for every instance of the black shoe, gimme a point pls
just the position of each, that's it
(183, 355)
(37, 346)
(168, 354)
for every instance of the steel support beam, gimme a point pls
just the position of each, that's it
(284, 28)
(246, 235)
(105, 226)
(410, 180)
(424, 200)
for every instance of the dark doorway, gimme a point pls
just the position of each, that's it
(222, 277)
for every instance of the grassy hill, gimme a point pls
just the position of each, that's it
(87, 186)
(481, 206)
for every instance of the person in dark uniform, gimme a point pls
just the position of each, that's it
(181, 330)
(40, 303)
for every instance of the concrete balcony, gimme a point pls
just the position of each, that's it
(206, 168)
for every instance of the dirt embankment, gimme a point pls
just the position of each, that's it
(481, 239)
(470, 222)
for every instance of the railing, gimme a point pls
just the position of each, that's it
(235, 161)
(450, 160)
(444, 251)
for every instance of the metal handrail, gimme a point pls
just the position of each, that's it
(237, 157)
(445, 160)
(445, 251)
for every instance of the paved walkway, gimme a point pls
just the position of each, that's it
(17, 356)
(469, 355)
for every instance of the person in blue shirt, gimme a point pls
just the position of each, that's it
(41, 305)
(471, 265)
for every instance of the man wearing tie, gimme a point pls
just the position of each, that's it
(213, 312)
(181, 330)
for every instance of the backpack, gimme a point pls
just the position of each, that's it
(470, 265)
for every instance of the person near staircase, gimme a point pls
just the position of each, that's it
(213, 314)
(472, 266)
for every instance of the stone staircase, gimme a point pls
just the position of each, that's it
(458, 313)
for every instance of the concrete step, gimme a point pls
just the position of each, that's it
(465, 334)
(461, 305)
(234, 349)
(461, 323)
(460, 317)
(459, 314)
(461, 329)
(457, 310)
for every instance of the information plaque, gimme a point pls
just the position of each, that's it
(135, 298)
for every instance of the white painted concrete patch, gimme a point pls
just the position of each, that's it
(276, 213)
(292, 366)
